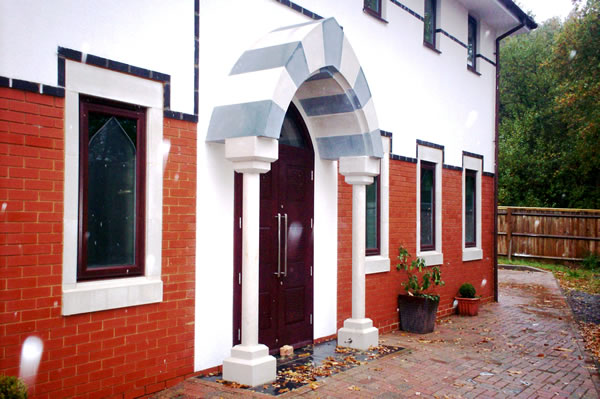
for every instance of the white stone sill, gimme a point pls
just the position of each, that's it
(432, 258)
(94, 296)
(472, 254)
(377, 264)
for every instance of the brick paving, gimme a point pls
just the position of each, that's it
(525, 346)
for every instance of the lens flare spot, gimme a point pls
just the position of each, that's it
(572, 54)
(31, 353)
(4, 205)
(471, 119)
(483, 282)
(455, 303)
(165, 149)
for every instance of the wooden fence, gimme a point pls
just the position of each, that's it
(548, 233)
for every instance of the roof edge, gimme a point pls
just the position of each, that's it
(519, 14)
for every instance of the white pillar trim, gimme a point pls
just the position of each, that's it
(358, 332)
(250, 363)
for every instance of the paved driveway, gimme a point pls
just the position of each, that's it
(525, 346)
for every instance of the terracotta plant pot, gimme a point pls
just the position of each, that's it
(417, 314)
(468, 306)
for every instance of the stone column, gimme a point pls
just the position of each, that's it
(358, 332)
(250, 362)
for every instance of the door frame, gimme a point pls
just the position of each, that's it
(237, 239)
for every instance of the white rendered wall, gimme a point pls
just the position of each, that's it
(418, 94)
(152, 34)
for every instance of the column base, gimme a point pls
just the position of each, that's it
(358, 334)
(250, 365)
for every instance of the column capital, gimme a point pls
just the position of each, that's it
(359, 170)
(252, 154)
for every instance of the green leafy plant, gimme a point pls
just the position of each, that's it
(574, 273)
(12, 388)
(467, 290)
(415, 286)
(591, 262)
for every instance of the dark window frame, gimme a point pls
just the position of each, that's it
(87, 105)
(473, 174)
(429, 166)
(374, 13)
(376, 250)
(472, 33)
(432, 44)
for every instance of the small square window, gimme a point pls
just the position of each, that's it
(373, 218)
(427, 199)
(472, 44)
(429, 23)
(112, 190)
(470, 208)
(373, 7)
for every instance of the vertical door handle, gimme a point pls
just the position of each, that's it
(278, 272)
(285, 218)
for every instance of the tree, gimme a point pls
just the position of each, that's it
(549, 114)
(576, 60)
(530, 153)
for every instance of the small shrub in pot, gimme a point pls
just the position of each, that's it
(467, 290)
(468, 302)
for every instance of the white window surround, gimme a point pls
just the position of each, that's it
(473, 253)
(106, 294)
(381, 263)
(434, 155)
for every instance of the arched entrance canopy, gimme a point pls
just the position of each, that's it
(316, 58)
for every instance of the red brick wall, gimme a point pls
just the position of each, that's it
(383, 288)
(118, 353)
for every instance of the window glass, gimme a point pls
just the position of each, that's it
(290, 133)
(429, 22)
(374, 6)
(111, 213)
(470, 222)
(427, 206)
(372, 220)
(472, 42)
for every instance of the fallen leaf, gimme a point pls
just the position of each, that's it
(353, 388)
(563, 350)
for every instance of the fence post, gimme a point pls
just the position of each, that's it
(509, 232)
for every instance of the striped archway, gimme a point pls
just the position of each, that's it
(315, 63)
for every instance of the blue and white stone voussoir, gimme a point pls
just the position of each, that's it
(315, 63)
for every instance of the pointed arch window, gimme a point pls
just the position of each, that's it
(111, 190)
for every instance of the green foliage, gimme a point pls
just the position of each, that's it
(574, 273)
(467, 290)
(12, 388)
(413, 286)
(591, 262)
(549, 115)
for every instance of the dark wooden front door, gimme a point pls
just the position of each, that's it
(286, 242)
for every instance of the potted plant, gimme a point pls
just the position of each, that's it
(418, 308)
(468, 303)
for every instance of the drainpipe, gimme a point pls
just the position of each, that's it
(497, 136)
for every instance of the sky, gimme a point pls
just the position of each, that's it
(545, 9)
